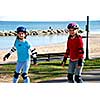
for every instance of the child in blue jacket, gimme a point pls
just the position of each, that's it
(23, 48)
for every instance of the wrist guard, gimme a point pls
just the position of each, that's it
(7, 55)
(64, 59)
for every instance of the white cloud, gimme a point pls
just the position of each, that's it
(48, 10)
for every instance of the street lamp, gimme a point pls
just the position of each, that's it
(87, 29)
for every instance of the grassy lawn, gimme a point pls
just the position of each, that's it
(45, 70)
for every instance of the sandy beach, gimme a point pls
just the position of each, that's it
(94, 49)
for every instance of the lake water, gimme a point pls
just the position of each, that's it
(12, 25)
(7, 42)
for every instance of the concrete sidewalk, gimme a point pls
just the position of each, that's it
(88, 77)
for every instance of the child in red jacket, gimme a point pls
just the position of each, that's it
(75, 52)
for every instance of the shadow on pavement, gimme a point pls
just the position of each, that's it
(91, 77)
(55, 81)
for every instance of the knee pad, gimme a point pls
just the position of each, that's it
(16, 75)
(24, 75)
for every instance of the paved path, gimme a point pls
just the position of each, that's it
(88, 77)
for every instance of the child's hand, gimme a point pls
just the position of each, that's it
(6, 56)
(63, 64)
(35, 65)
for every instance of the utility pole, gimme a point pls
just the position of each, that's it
(87, 29)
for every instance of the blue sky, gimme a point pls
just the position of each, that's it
(48, 10)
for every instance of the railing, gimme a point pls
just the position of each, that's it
(49, 56)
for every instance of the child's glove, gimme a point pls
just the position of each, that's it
(6, 56)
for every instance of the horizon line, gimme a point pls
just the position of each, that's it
(46, 20)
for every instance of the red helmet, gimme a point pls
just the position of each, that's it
(73, 25)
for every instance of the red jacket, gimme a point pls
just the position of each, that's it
(74, 48)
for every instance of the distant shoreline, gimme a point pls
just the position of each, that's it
(34, 32)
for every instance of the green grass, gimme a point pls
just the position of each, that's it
(47, 70)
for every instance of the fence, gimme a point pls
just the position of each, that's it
(49, 57)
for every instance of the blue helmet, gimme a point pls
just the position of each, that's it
(21, 29)
(73, 25)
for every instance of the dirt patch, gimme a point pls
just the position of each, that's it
(5, 78)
